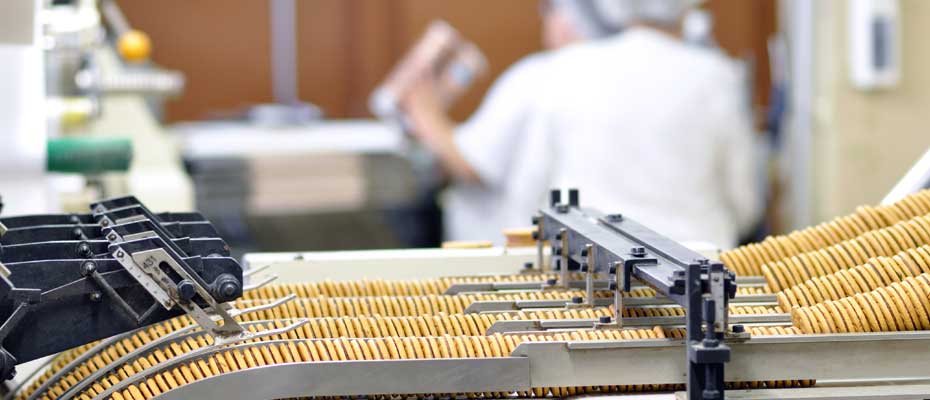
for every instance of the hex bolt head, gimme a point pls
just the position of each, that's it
(577, 300)
(120, 254)
(638, 251)
(605, 319)
(186, 290)
(111, 237)
(615, 217)
(738, 329)
(104, 223)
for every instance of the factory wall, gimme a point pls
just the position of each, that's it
(345, 47)
(865, 141)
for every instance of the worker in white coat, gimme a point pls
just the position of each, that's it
(641, 122)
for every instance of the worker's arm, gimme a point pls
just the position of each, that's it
(433, 127)
(481, 150)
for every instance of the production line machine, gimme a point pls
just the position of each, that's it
(604, 305)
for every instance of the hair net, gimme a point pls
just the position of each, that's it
(598, 18)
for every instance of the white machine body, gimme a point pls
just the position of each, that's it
(22, 110)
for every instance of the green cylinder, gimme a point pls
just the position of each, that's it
(88, 155)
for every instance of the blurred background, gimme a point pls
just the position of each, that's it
(262, 114)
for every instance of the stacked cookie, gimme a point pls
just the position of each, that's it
(885, 242)
(875, 273)
(900, 306)
(748, 260)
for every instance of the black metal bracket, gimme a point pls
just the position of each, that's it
(627, 250)
(67, 280)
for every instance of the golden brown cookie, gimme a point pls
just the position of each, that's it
(872, 314)
(898, 307)
(838, 319)
(919, 312)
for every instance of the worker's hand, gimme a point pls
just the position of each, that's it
(433, 128)
(425, 112)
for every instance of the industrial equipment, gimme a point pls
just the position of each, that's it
(602, 305)
(68, 280)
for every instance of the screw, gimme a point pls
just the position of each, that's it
(615, 217)
(738, 329)
(120, 254)
(561, 208)
(528, 265)
(95, 297)
(605, 319)
(104, 223)
(638, 251)
(577, 300)
(111, 237)
(228, 290)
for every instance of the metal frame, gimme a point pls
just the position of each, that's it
(591, 241)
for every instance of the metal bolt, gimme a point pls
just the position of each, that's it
(186, 290)
(561, 208)
(120, 254)
(84, 250)
(74, 219)
(551, 281)
(577, 300)
(104, 223)
(605, 319)
(77, 232)
(96, 296)
(638, 251)
(88, 268)
(615, 217)
(738, 329)
(528, 265)
(111, 237)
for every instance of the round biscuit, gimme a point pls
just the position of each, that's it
(883, 309)
(871, 316)
(919, 312)
(898, 308)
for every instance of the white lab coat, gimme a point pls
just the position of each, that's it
(641, 123)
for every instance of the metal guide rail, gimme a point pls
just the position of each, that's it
(68, 280)
(865, 357)
(592, 242)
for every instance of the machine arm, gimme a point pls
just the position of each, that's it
(590, 241)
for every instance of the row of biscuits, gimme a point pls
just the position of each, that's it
(901, 306)
(239, 358)
(329, 327)
(748, 260)
(886, 242)
(877, 272)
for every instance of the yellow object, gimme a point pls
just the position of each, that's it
(134, 46)
(467, 245)
(521, 237)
